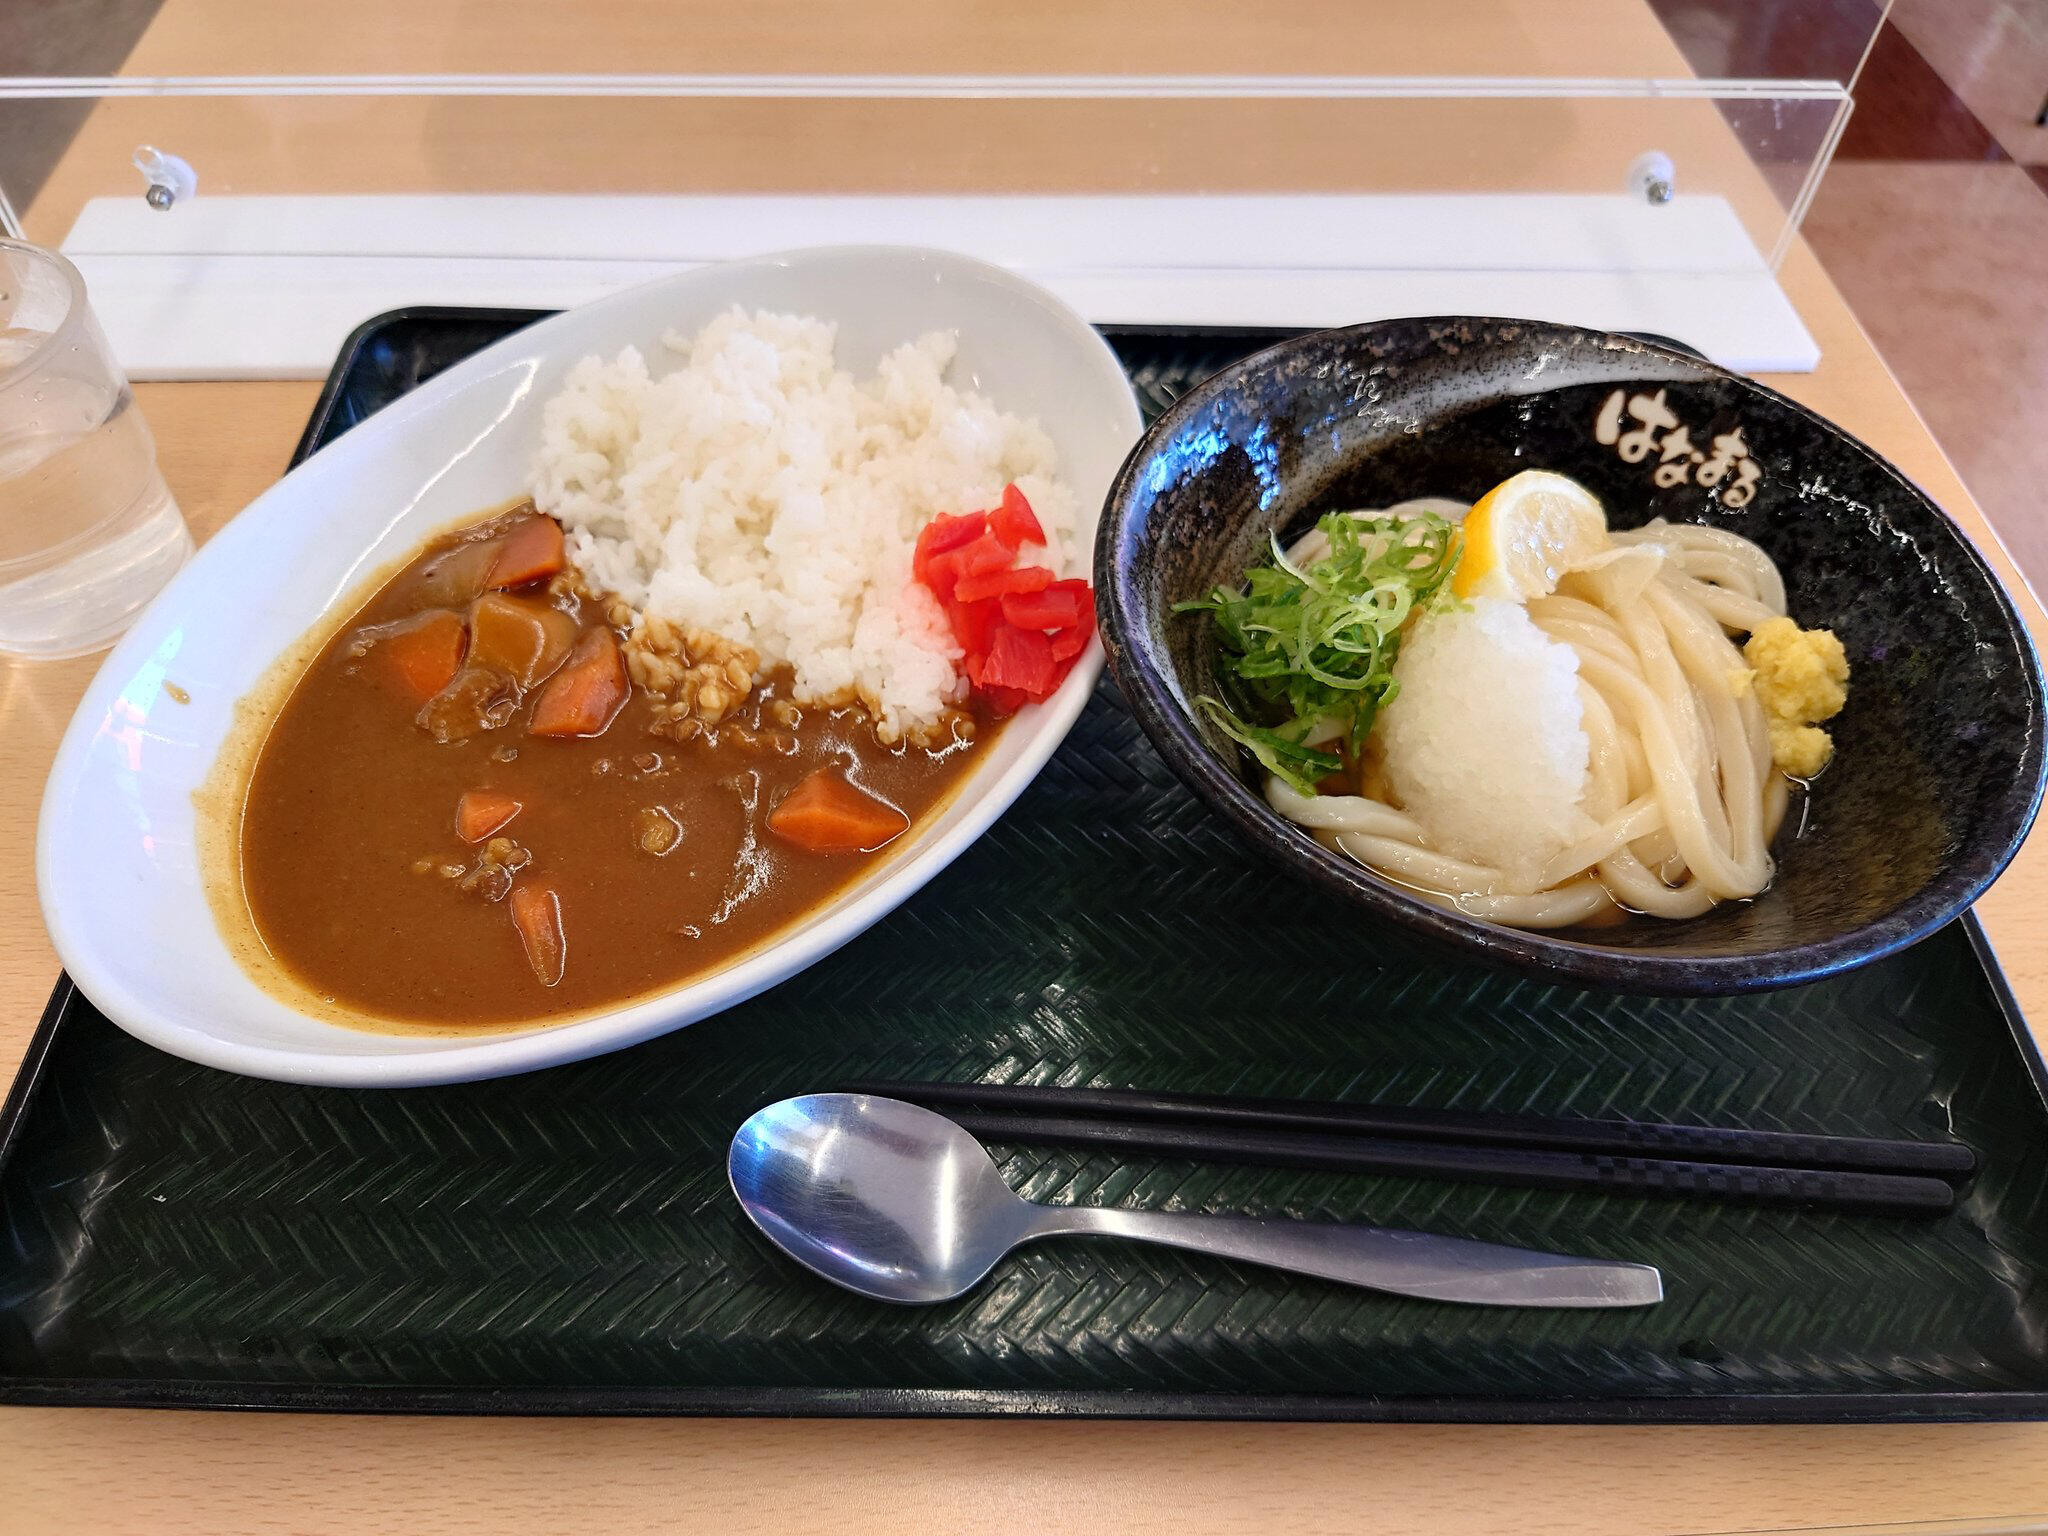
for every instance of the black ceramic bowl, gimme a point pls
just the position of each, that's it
(1938, 766)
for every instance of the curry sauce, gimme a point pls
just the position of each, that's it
(383, 869)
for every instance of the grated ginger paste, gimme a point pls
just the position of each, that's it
(1801, 677)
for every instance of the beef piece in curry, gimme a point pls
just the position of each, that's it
(468, 812)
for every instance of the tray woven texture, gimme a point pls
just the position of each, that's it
(566, 1240)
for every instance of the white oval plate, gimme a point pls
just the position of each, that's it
(117, 861)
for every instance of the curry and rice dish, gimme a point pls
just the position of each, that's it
(759, 619)
(1525, 715)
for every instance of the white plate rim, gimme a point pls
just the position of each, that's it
(654, 1014)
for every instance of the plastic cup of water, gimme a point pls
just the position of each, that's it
(88, 531)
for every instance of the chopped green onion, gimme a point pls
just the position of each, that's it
(1306, 643)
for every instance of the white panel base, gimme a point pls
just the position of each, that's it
(261, 287)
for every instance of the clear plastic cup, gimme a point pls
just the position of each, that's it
(88, 530)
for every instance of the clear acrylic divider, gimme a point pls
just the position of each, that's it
(237, 227)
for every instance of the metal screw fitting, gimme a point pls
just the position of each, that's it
(1652, 177)
(166, 178)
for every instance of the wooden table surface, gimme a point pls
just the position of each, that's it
(102, 1470)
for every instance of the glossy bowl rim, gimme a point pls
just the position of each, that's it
(1137, 671)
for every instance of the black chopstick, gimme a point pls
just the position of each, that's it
(1614, 1138)
(1847, 1190)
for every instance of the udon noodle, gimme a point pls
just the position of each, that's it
(1682, 796)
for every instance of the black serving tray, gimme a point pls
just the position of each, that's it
(564, 1242)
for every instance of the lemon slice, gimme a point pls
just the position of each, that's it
(1524, 534)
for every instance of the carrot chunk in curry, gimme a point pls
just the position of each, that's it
(826, 814)
(667, 840)
(423, 654)
(480, 812)
(581, 699)
(530, 550)
(537, 913)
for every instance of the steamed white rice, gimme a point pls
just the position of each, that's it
(763, 493)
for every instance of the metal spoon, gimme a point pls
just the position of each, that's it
(900, 1204)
